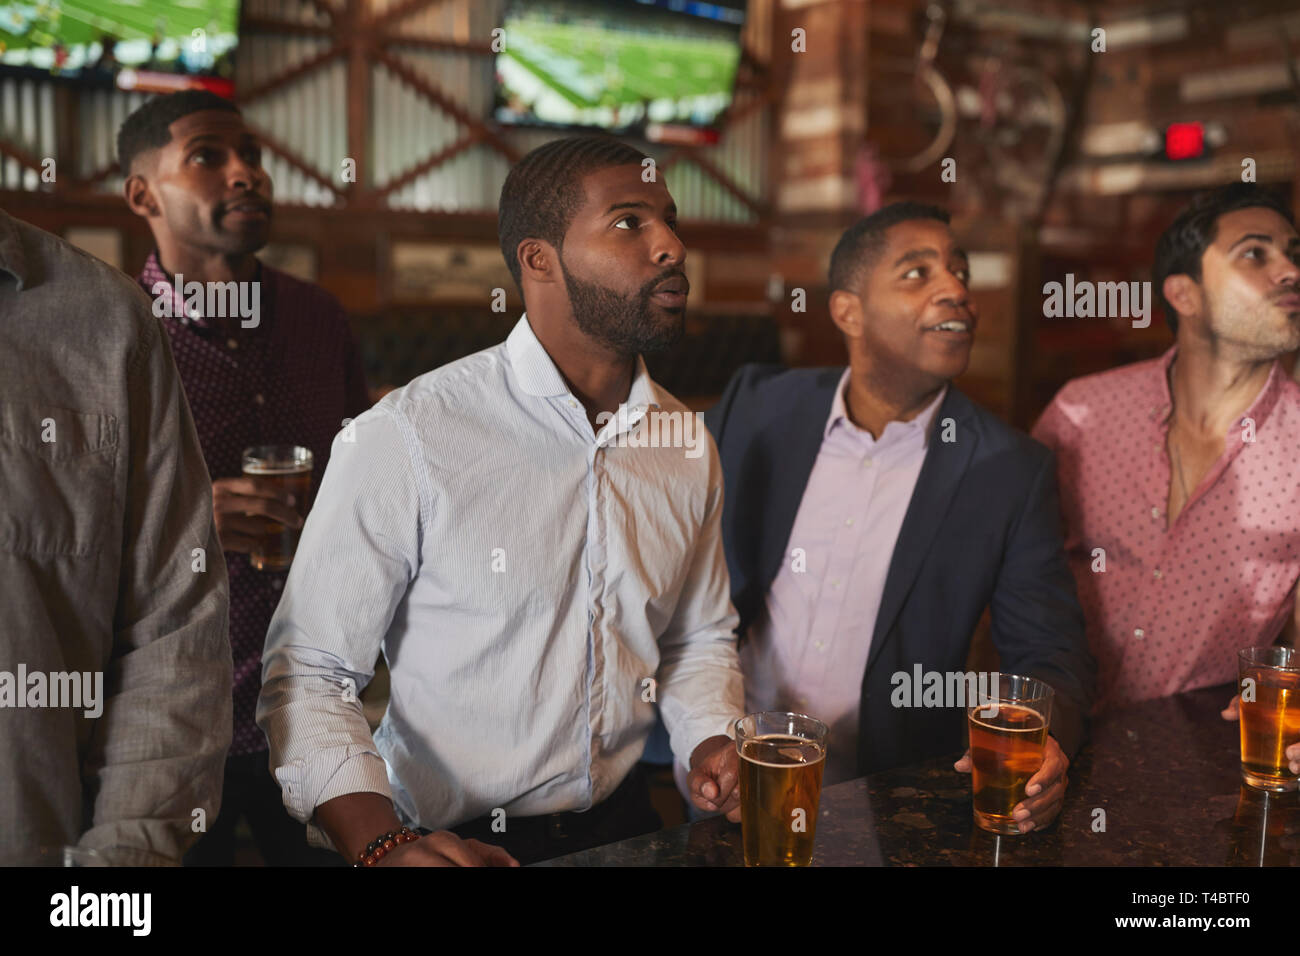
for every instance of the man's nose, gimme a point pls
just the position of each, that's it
(244, 175)
(955, 292)
(669, 249)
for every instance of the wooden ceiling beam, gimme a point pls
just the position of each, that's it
(424, 166)
(694, 155)
(293, 73)
(434, 95)
(291, 157)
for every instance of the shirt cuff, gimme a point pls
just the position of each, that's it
(360, 773)
(696, 730)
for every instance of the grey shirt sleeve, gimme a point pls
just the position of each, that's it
(154, 766)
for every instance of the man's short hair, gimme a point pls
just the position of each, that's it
(1183, 244)
(543, 192)
(148, 128)
(864, 241)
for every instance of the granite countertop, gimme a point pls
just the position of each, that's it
(1165, 774)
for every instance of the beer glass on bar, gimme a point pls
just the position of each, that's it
(288, 466)
(1269, 684)
(781, 761)
(1008, 732)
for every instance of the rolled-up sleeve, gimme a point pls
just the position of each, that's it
(155, 759)
(358, 555)
(700, 685)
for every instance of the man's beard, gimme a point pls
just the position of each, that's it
(626, 326)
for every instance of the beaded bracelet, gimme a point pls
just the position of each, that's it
(378, 847)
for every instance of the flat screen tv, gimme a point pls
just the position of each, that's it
(660, 70)
(150, 45)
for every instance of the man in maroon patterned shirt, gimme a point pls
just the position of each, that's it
(278, 367)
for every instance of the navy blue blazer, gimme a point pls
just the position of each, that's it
(983, 530)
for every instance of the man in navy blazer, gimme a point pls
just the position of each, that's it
(873, 513)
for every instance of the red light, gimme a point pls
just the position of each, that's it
(1184, 141)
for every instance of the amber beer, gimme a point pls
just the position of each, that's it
(288, 466)
(782, 757)
(1007, 740)
(1270, 722)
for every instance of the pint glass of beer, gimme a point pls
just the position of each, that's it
(290, 467)
(1008, 732)
(1269, 684)
(781, 761)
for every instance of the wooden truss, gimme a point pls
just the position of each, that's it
(362, 39)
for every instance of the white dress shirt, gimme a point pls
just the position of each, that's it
(525, 578)
(807, 650)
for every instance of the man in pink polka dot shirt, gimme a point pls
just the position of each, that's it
(1179, 480)
(287, 372)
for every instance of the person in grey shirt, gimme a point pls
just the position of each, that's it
(115, 670)
(538, 564)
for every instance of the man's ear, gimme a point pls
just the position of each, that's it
(139, 197)
(1183, 293)
(846, 312)
(538, 261)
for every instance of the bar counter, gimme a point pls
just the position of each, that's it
(1165, 775)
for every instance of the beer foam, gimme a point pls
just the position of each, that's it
(260, 469)
(976, 716)
(791, 743)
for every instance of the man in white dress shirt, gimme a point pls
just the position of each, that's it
(536, 578)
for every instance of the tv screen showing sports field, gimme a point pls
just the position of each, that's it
(640, 67)
(153, 45)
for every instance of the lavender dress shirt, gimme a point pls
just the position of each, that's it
(807, 650)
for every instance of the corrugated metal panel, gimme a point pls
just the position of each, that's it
(310, 117)
(406, 129)
(27, 123)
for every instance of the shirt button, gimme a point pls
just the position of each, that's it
(819, 645)
(1155, 512)
(1139, 633)
(232, 344)
(849, 521)
(802, 702)
(276, 584)
(866, 463)
(259, 399)
(1156, 574)
(835, 582)
(572, 403)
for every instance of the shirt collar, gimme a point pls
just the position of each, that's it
(539, 376)
(13, 259)
(1259, 409)
(152, 275)
(840, 413)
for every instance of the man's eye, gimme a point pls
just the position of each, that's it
(918, 272)
(1254, 252)
(672, 224)
(628, 218)
(204, 156)
(963, 275)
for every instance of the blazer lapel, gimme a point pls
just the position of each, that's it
(936, 486)
(793, 441)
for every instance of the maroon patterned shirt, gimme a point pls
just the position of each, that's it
(292, 379)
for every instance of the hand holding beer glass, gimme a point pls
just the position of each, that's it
(1008, 738)
(782, 757)
(1269, 701)
(261, 513)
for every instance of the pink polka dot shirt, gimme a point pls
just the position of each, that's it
(1168, 608)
